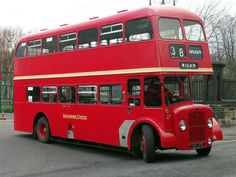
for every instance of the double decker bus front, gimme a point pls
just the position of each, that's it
(193, 124)
(183, 52)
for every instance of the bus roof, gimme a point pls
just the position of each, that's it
(164, 11)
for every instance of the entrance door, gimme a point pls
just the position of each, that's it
(68, 113)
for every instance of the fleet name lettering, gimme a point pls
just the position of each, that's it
(74, 116)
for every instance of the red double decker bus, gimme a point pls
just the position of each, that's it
(122, 81)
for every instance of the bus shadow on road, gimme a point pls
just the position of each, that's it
(113, 152)
(85, 148)
(173, 156)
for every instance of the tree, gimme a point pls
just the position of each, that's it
(220, 31)
(227, 42)
(8, 40)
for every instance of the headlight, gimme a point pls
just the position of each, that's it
(182, 125)
(210, 123)
(209, 141)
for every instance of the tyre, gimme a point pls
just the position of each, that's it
(137, 152)
(148, 144)
(203, 151)
(43, 130)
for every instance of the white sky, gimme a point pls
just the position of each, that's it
(39, 14)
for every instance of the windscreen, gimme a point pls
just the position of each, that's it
(193, 30)
(170, 29)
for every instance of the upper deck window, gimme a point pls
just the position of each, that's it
(139, 30)
(21, 50)
(111, 34)
(88, 38)
(34, 48)
(50, 45)
(170, 29)
(68, 42)
(193, 31)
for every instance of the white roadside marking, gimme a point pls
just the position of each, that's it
(226, 141)
(8, 122)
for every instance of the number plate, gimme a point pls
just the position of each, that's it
(177, 51)
(197, 145)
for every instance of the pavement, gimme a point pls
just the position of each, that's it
(229, 132)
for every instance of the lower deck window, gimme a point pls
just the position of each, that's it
(87, 94)
(49, 94)
(33, 94)
(67, 94)
(152, 92)
(111, 94)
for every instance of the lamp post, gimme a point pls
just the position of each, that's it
(1, 90)
(150, 2)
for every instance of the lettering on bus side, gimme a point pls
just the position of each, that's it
(74, 116)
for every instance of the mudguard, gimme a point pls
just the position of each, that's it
(167, 139)
(216, 131)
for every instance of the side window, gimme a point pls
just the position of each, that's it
(33, 94)
(21, 50)
(88, 38)
(134, 91)
(111, 94)
(152, 92)
(49, 94)
(111, 34)
(50, 45)
(87, 94)
(34, 48)
(138, 30)
(67, 94)
(134, 87)
(68, 42)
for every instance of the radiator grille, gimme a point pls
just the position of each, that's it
(197, 124)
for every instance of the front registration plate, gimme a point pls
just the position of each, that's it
(197, 145)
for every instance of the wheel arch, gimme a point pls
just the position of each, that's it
(135, 132)
(36, 118)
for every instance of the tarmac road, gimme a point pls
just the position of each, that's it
(23, 156)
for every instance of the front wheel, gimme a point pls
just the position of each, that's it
(43, 130)
(203, 151)
(148, 144)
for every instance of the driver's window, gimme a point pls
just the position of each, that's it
(152, 92)
(177, 89)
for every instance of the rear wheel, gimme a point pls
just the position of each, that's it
(43, 130)
(203, 151)
(148, 144)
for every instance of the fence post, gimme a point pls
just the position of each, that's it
(1, 91)
(215, 84)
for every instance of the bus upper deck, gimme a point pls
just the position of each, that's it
(162, 39)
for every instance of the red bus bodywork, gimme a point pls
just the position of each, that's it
(116, 125)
